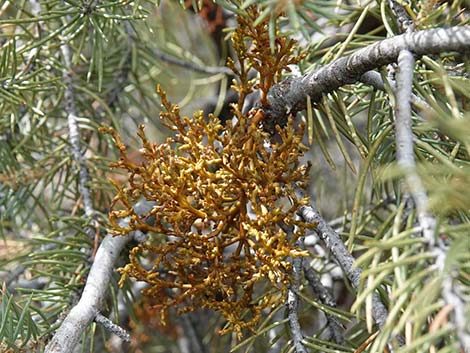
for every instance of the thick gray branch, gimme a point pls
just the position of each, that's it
(67, 336)
(70, 331)
(289, 96)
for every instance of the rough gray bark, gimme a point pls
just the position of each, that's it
(112, 327)
(70, 331)
(335, 244)
(335, 326)
(292, 307)
(74, 134)
(289, 96)
(427, 222)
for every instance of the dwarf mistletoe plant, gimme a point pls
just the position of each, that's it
(225, 216)
(368, 253)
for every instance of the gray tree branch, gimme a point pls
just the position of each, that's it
(404, 144)
(427, 222)
(335, 326)
(335, 245)
(292, 307)
(289, 96)
(70, 331)
(112, 327)
(74, 133)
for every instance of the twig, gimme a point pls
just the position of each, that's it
(211, 70)
(404, 143)
(459, 306)
(121, 76)
(38, 283)
(374, 79)
(293, 301)
(292, 306)
(81, 315)
(335, 326)
(112, 327)
(427, 222)
(404, 21)
(74, 133)
(288, 96)
(336, 246)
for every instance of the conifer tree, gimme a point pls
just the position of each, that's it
(235, 176)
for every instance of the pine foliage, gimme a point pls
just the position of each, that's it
(68, 68)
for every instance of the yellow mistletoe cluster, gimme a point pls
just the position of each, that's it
(224, 224)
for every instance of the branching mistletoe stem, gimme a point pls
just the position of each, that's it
(220, 193)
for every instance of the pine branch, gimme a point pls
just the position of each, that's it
(374, 79)
(288, 96)
(292, 306)
(404, 143)
(74, 136)
(336, 246)
(292, 302)
(427, 222)
(112, 327)
(211, 70)
(70, 331)
(335, 326)
(74, 133)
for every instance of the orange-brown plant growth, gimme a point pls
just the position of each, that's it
(268, 59)
(224, 224)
